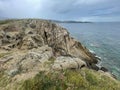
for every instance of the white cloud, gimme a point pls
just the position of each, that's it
(61, 9)
(36, 4)
(20, 8)
(89, 2)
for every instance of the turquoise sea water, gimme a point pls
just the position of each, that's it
(102, 38)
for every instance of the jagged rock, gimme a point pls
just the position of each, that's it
(68, 63)
(6, 58)
(29, 34)
(104, 69)
(94, 67)
(28, 61)
(35, 57)
(32, 42)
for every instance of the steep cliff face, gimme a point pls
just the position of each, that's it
(30, 46)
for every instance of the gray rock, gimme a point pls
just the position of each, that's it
(104, 69)
(68, 63)
(35, 57)
(13, 72)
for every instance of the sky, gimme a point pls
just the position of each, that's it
(79, 10)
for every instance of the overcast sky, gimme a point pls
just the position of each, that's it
(83, 10)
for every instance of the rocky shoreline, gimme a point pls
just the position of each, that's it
(29, 46)
(29, 34)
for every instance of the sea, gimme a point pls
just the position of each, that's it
(102, 38)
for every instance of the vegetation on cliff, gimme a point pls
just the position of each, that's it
(41, 55)
(84, 79)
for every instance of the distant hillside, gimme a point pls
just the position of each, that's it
(3, 18)
(58, 21)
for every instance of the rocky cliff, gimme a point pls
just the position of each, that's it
(30, 46)
(26, 35)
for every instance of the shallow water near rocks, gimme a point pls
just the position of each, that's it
(102, 38)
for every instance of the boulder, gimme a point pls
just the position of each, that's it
(63, 62)
(104, 69)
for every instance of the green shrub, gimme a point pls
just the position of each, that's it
(43, 81)
(91, 78)
(84, 79)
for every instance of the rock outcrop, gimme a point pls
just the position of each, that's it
(68, 63)
(30, 43)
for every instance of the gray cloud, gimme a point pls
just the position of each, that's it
(62, 9)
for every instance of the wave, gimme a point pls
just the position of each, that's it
(98, 57)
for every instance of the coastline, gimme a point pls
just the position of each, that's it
(40, 48)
